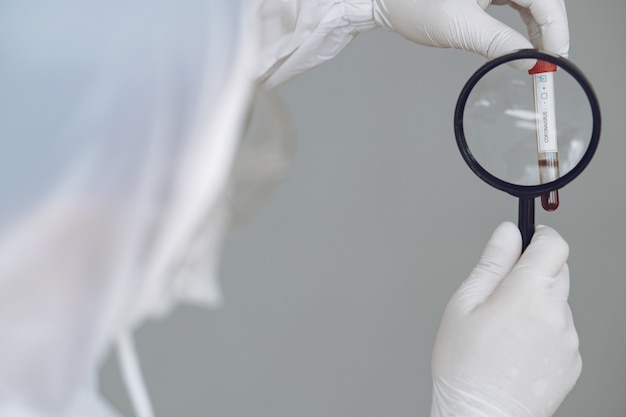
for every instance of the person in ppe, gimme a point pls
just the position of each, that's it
(120, 124)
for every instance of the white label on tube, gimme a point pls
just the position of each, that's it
(546, 112)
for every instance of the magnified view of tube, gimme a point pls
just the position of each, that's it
(547, 150)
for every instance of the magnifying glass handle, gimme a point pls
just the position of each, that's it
(526, 220)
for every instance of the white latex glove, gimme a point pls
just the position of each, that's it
(507, 346)
(464, 24)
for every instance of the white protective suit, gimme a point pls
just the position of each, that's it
(119, 122)
(113, 177)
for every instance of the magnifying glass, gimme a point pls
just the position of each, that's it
(528, 133)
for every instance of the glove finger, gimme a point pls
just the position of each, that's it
(479, 32)
(551, 18)
(553, 306)
(544, 258)
(554, 310)
(534, 30)
(560, 285)
(498, 258)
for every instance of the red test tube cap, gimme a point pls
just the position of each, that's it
(542, 66)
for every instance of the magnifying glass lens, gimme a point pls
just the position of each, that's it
(528, 133)
(528, 127)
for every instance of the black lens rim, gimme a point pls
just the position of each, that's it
(528, 191)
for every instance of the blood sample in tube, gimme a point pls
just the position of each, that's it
(547, 149)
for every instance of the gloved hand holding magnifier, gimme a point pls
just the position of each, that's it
(528, 133)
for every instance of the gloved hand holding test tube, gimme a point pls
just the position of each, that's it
(547, 149)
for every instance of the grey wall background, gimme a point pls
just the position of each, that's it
(335, 291)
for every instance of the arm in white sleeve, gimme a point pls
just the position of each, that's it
(301, 34)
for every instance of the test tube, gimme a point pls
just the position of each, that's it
(547, 150)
